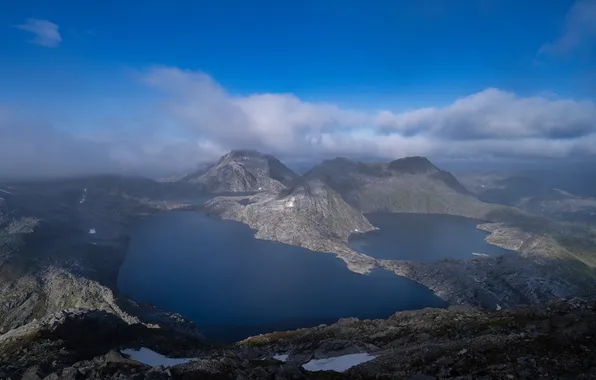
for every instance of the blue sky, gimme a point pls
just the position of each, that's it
(322, 69)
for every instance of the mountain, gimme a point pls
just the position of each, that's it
(310, 214)
(534, 195)
(411, 184)
(243, 171)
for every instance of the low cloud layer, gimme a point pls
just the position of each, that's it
(45, 33)
(491, 123)
(199, 120)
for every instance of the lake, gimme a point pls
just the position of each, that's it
(232, 285)
(423, 237)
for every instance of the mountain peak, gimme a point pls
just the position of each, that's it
(243, 154)
(245, 170)
(413, 165)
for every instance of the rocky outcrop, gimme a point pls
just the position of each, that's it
(310, 215)
(244, 171)
(555, 340)
(411, 184)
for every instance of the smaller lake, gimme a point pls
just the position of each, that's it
(423, 237)
(232, 285)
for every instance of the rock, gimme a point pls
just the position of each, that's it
(71, 373)
(524, 374)
(32, 373)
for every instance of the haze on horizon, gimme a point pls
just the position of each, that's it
(157, 87)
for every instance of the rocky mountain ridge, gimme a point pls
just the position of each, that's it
(243, 171)
(411, 184)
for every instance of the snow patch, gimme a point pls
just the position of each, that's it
(356, 230)
(84, 196)
(4, 191)
(152, 358)
(291, 202)
(260, 188)
(499, 307)
(338, 363)
(280, 357)
(92, 231)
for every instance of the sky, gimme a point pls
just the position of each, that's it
(160, 86)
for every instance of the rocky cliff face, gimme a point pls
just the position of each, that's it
(411, 184)
(244, 171)
(552, 341)
(310, 215)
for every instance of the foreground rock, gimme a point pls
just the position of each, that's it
(309, 215)
(551, 341)
(243, 171)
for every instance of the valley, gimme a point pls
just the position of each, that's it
(65, 242)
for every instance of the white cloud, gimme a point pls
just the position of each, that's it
(45, 32)
(579, 29)
(499, 122)
(199, 121)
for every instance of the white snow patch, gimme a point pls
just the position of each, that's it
(4, 191)
(152, 358)
(499, 307)
(355, 229)
(291, 202)
(280, 357)
(260, 188)
(92, 231)
(338, 363)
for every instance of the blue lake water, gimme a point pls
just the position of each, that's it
(423, 237)
(233, 285)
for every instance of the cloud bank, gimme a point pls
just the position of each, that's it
(489, 123)
(198, 120)
(45, 32)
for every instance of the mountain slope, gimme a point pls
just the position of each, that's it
(411, 184)
(310, 215)
(244, 171)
